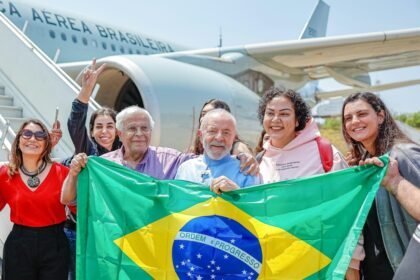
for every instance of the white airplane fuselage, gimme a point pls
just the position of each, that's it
(71, 38)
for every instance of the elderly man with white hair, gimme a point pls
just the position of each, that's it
(134, 126)
(216, 167)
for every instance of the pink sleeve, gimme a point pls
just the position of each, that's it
(358, 254)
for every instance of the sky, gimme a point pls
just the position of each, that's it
(197, 24)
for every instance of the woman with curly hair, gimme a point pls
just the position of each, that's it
(370, 131)
(30, 184)
(292, 150)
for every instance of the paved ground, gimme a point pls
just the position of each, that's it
(411, 132)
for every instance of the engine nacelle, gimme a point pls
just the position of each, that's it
(174, 92)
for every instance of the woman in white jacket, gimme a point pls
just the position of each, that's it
(294, 148)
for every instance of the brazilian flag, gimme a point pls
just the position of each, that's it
(132, 226)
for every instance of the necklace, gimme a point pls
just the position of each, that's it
(33, 180)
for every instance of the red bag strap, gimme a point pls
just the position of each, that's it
(325, 152)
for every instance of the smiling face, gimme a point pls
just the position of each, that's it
(104, 131)
(136, 135)
(280, 121)
(30, 145)
(362, 123)
(218, 134)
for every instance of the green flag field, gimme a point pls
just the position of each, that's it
(132, 226)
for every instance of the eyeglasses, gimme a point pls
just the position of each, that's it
(39, 135)
(132, 130)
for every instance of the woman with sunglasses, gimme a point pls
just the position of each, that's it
(30, 184)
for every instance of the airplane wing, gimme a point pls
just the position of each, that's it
(347, 59)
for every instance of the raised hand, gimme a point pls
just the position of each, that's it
(56, 133)
(90, 76)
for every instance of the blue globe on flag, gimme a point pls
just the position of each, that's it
(216, 247)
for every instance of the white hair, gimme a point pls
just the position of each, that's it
(134, 109)
(216, 112)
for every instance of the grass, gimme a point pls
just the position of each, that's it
(335, 137)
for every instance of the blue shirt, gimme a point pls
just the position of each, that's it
(203, 169)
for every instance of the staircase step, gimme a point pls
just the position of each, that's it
(6, 100)
(4, 155)
(15, 123)
(11, 111)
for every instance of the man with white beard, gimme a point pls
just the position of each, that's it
(216, 167)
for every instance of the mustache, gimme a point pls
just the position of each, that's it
(217, 143)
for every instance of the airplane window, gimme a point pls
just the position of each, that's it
(74, 39)
(64, 37)
(130, 51)
(113, 47)
(84, 40)
(138, 52)
(94, 43)
(104, 45)
(52, 34)
(122, 49)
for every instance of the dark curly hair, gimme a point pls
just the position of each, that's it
(302, 110)
(389, 133)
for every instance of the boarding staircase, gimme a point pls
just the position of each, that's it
(31, 86)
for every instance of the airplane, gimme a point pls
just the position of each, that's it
(172, 82)
(156, 74)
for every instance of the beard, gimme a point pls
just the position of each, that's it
(215, 155)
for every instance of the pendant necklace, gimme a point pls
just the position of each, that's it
(33, 180)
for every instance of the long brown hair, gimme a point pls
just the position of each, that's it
(16, 159)
(389, 133)
(259, 147)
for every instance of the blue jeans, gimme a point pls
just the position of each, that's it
(71, 236)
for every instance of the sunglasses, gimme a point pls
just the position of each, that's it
(39, 135)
